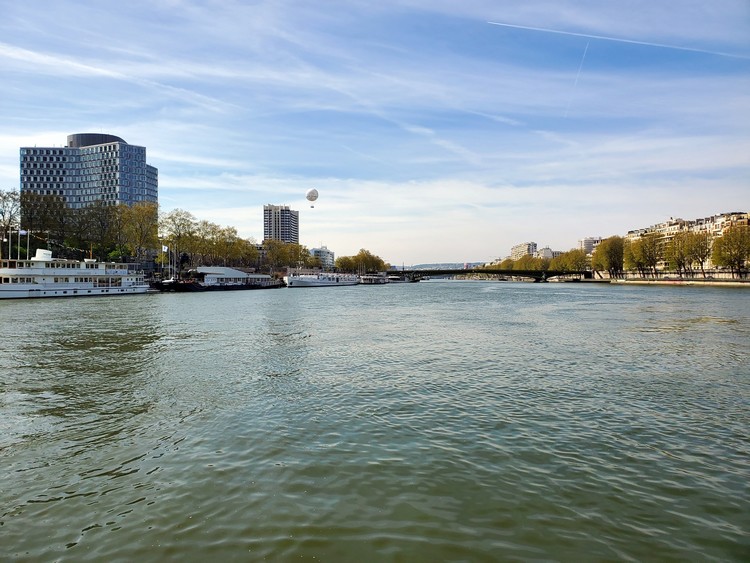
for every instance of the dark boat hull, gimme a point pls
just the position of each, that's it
(196, 287)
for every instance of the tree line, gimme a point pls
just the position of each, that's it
(686, 253)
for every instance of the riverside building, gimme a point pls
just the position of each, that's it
(327, 257)
(714, 226)
(523, 249)
(280, 223)
(90, 168)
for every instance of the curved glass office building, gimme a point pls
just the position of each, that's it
(91, 167)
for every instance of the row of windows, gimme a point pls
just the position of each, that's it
(45, 159)
(98, 149)
(92, 194)
(51, 176)
(48, 151)
(48, 165)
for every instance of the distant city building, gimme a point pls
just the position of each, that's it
(280, 223)
(523, 249)
(547, 253)
(588, 244)
(714, 226)
(92, 167)
(326, 257)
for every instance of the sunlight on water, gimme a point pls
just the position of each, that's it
(415, 422)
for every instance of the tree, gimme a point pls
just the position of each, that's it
(651, 249)
(528, 262)
(643, 254)
(366, 261)
(346, 264)
(574, 260)
(141, 227)
(676, 253)
(40, 213)
(276, 253)
(10, 210)
(178, 229)
(95, 227)
(249, 254)
(228, 246)
(117, 217)
(732, 249)
(608, 256)
(698, 249)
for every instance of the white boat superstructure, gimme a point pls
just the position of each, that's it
(373, 279)
(322, 279)
(45, 276)
(215, 278)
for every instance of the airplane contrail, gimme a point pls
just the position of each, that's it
(578, 74)
(620, 40)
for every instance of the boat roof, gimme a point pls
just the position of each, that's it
(229, 272)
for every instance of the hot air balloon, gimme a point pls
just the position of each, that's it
(311, 195)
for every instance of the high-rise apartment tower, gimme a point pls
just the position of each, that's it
(280, 223)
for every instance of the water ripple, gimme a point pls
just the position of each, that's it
(438, 421)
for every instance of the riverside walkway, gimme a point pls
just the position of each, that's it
(536, 275)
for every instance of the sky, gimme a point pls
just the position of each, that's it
(434, 130)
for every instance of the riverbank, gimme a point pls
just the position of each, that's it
(691, 282)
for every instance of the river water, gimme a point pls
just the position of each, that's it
(438, 421)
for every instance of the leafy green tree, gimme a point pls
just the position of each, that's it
(276, 253)
(142, 224)
(643, 254)
(529, 262)
(634, 257)
(652, 251)
(676, 253)
(363, 261)
(177, 228)
(346, 264)
(249, 253)
(608, 256)
(698, 249)
(732, 249)
(95, 229)
(118, 219)
(574, 260)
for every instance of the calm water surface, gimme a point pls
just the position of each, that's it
(439, 421)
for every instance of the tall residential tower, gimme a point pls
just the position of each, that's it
(92, 167)
(280, 223)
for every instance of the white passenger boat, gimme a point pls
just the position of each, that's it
(45, 276)
(322, 279)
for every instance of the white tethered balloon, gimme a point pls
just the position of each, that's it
(311, 195)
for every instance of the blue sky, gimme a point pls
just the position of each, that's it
(431, 134)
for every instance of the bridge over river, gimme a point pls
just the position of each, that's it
(536, 275)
